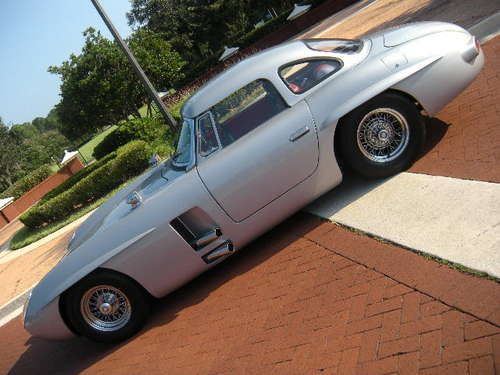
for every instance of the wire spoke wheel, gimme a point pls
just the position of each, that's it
(105, 308)
(383, 135)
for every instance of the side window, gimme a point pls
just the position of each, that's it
(207, 137)
(246, 109)
(304, 75)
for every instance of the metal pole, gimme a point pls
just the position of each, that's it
(137, 68)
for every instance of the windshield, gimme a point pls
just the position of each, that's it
(183, 153)
(335, 45)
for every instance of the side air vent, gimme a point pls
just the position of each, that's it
(223, 250)
(207, 238)
(196, 228)
(183, 230)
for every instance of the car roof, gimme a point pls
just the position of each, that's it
(262, 65)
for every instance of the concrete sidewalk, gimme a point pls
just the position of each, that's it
(456, 220)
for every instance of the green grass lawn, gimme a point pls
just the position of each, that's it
(88, 148)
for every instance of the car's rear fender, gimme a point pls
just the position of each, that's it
(430, 69)
(437, 84)
(349, 91)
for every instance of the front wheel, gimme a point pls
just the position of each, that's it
(106, 306)
(382, 137)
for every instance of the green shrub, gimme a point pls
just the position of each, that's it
(28, 182)
(130, 160)
(82, 173)
(149, 129)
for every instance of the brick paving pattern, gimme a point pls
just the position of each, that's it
(309, 297)
(470, 147)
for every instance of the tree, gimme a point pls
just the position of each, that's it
(26, 147)
(99, 87)
(197, 27)
(191, 26)
(95, 89)
(160, 62)
(51, 122)
(10, 163)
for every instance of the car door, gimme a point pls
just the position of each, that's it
(265, 149)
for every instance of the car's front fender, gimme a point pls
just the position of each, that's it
(47, 322)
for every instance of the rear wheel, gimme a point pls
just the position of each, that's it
(382, 137)
(106, 306)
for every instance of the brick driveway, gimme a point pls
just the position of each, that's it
(309, 297)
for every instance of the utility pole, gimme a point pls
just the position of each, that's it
(137, 68)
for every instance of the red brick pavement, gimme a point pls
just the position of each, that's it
(308, 297)
(467, 131)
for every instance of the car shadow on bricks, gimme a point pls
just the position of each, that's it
(77, 354)
(435, 132)
(251, 258)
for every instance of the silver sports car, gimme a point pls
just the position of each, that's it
(258, 142)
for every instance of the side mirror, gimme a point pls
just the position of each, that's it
(154, 160)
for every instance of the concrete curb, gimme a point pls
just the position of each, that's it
(13, 308)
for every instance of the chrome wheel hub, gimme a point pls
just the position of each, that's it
(105, 308)
(382, 135)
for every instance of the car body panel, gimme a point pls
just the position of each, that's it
(259, 180)
(451, 75)
(266, 164)
(48, 323)
(398, 35)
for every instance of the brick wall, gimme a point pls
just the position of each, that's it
(3, 220)
(28, 199)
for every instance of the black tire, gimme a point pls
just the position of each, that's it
(361, 158)
(136, 298)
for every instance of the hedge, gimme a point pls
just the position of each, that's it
(130, 160)
(82, 173)
(149, 129)
(28, 182)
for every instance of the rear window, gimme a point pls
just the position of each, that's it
(335, 45)
(301, 76)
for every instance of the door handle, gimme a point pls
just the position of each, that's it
(299, 133)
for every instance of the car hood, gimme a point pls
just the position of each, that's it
(116, 207)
